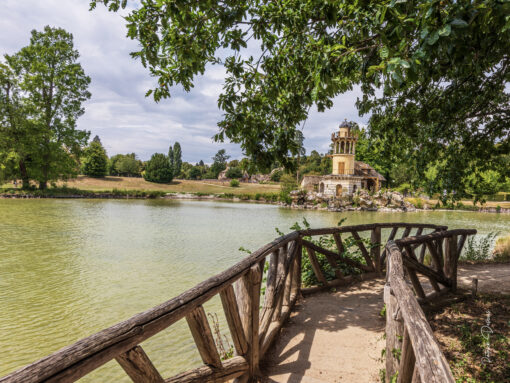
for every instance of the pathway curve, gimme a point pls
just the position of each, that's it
(338, 337)
(331, 337)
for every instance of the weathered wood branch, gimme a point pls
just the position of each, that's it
(231, 369)
(432, 365)
(138, 366)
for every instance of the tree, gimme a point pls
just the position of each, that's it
(158, 169)
(436, 72)
(195, 173)
(219, 162)
(171, 158)
(19, 133)
(95, 162)
(483, 184)
(54, 87)
(234, 172)
(128, 165)
(177, 156)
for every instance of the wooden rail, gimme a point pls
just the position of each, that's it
(412, 352)
(253, 323)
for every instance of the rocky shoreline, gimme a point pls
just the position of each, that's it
(388, 201)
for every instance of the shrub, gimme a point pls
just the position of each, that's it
(405, 188)
(276, 176)
(234, 183)
(95, 161)
(416, 202)
(158, 169)
(479, 249)
(288, 183)
(234, 173)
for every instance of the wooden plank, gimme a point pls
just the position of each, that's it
(390, 238)
(231, 369)
(431, 363)
(422, 252)
(406, 232)
(334, 266)
(375, 250)
(394, 329)
(269, 313)
(202, 334)
(316, 267)
(138, 366)
(451, 261)
(407, 360)
(339, 243)
(416, 282)
(363, 250)
(229, 303)
(460, 245)
(313, 246)
(437, 260)
(248, 295)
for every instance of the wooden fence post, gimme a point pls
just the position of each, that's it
(248, 297)
(450, 264)
(394, 330)
(375, 251)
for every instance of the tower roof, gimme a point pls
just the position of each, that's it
(345, 124)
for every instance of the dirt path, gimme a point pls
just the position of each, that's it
(337, 337)
(492, 277)
(331, 337)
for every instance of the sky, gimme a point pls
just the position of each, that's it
(118, 111)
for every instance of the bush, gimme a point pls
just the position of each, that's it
(416, 202)
(158, 169)
(234, 173)
(234, 183)
(405, 189)
(95, 161)
(288, 183)
(479, 249)
(276, 176)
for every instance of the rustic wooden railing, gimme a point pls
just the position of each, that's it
(253, 322)
(412, 352)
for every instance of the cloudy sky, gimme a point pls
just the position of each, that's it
(118, 111)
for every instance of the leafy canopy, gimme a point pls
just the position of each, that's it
(436, 72)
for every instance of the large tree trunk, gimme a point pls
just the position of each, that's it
(24, 174)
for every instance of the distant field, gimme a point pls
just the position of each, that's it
(178, 186)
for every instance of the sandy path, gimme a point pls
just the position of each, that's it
(337, 337)
(331, 337)
(492, 277)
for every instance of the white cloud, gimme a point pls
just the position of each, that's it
(118, 111)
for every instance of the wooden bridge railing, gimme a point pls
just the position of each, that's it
(253, 319)
(412, 352)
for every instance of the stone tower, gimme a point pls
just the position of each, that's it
(344, 149)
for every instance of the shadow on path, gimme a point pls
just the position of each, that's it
(331, 337)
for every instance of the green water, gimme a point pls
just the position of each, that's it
(69, 268)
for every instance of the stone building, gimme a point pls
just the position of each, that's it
(348, 175)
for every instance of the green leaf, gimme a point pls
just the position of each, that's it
(459, 23)
(433, 38)
(445, 31)
(384, 52)
(404, 64)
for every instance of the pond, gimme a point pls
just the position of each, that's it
(69, 268)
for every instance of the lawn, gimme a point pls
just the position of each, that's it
(177, 186)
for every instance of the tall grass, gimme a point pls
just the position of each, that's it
(479, 249)
(502, 249)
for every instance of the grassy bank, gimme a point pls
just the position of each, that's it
(127, 187)
(421, 203)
